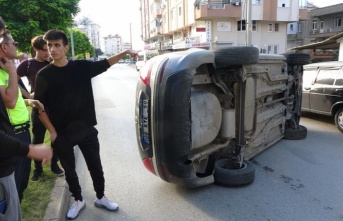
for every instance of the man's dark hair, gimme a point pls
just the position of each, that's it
(55, 34)
(38, 42)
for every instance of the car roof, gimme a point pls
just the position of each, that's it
(328, 64)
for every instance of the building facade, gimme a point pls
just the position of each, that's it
(112, 45)
(92, 31)
(322, 24)
(182, 24)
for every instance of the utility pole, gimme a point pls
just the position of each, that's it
(72, 43)
(248, 22)
(130, 37)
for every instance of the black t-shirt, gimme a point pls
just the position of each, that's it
(67, 93)
(30, 71)
(9, 145)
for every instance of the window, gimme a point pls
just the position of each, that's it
(180, 12)
(171, 15)
(339, 80)
(276, 49)
(321, 24)
(314, 25)
(241, 25)
(254, 25)
(276, 27)
(291, 27)
(338, 22)
(326, 77)
(270, 27)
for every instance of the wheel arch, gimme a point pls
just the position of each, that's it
(336, 107)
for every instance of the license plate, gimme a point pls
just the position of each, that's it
(145, 122)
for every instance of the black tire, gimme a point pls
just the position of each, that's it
(225, 57)
(339, 119)
(298, 133)
(297, 58)
(233, 177)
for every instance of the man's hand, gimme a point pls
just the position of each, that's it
(132, 53)
(53, 136)
(40, 152)
(8, 65)
(35, 104)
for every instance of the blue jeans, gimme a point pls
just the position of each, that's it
(22, 166)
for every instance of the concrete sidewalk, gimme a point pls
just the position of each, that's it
(57, 208)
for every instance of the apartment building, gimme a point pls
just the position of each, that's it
(182, 24)
(92, 31)
(320, 33)
(112, 44)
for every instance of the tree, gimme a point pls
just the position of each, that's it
(81, 44)
(26, 19)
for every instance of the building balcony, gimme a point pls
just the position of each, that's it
(217, 9)
(155, 32)
(322, 33)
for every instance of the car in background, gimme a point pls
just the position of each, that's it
(121, 61)
(202, 114)
(127, 61)
(323, 90)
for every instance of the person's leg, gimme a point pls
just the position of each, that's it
(22, 166)
(90, 149)
(38, 131)
(38, 134)
(7, 185)
(64, 149)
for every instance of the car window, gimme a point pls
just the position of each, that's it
(339, 80)
(309, 76)
(326, 77)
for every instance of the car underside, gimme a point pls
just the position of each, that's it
(202, 114)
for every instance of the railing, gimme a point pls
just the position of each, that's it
(217, 4)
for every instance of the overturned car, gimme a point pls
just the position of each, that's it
(202, 114)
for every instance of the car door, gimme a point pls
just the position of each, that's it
(337, 90)
(308, 79)
(321, 91)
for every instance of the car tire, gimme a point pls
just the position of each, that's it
(233, 177)
(297, 58)
(339, 119)
(236, 56)
(298, 133)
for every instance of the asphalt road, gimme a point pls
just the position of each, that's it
(295, 180)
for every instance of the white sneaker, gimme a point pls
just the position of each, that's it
(105, 203)
(75, 209)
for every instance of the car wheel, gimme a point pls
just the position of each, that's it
(339, 119)
(228, 176)
(236, 56)
(298, 133)
(297, 58)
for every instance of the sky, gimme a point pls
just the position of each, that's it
(324, 3)
(114, 17)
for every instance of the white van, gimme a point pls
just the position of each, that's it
(144, 56)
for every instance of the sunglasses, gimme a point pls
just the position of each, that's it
(13, 43)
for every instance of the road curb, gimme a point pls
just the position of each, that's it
(59, 201)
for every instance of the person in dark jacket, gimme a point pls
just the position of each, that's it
(10, 148)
